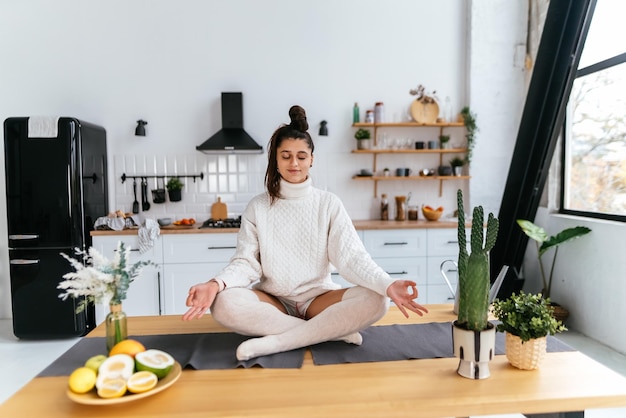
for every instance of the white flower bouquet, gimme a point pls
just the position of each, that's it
(99, 280)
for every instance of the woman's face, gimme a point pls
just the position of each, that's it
(294, 159)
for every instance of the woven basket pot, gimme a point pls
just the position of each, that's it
(526, 356)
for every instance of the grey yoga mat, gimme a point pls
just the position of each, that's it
(403, 342)
(195, 351)
(217, 350)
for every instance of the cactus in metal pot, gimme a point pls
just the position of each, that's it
(473, 268)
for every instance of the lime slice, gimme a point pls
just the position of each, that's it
(155, 361)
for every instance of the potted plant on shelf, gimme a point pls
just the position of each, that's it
(544, 243)
(174, 189)
(527, 320)
(473, 336)
(444, 141)
(469, 120)
(363, 139)
(457, 164)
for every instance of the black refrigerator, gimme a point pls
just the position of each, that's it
(56, 187)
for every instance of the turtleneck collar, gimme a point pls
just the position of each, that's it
(295, 191)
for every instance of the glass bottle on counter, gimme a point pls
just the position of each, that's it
(400, 208)
(412, 213)
(384, 208)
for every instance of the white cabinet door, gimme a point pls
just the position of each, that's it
(178, 278)
(144, 293)
(192, 259)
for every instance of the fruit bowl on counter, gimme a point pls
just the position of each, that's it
(432, 214)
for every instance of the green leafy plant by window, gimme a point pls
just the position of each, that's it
(545, 242)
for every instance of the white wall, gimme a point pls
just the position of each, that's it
(167, 62)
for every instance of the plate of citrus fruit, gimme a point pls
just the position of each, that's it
(130, 372)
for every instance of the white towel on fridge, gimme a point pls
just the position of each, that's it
(43, 126)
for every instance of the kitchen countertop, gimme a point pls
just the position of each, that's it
(358, 224)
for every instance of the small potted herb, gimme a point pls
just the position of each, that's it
(527, 320)
(174, 189)
(363, 139)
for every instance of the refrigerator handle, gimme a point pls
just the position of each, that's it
(22, 237)
(23, 262)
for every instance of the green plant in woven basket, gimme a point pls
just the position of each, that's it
(526, 315)
(473, 268)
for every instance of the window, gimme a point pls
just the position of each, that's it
(594, 157)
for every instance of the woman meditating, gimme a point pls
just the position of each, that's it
(288, 239)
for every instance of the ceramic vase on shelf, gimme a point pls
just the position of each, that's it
(116, 329)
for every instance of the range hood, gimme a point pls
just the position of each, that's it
(231, 139)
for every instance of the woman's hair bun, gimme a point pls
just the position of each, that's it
(298, 118)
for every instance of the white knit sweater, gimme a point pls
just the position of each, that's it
(290, 245)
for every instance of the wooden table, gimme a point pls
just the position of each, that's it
(565, 382)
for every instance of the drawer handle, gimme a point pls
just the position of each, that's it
(396, 243)
(452, 242)
(222, 248)
(397, 272)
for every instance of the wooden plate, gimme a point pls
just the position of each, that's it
(424, 112)
(92, 398)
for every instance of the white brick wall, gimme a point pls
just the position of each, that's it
(234, 178)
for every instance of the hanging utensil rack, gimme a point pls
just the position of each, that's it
(164, 176)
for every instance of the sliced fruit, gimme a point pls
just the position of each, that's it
(82, 380)
(95, 362)
(119, 366)
(112, 388)
(155, 361)
(142, 381)
(129, 346)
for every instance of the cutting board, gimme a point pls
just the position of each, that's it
(219, 210)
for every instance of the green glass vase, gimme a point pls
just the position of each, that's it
(116, 329)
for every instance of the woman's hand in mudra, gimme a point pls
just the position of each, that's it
(399, 293)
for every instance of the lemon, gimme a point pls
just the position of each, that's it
(142, 382)
(112, 388)
(129, 346)
(155, 361)
(82, 380)
(95, 362)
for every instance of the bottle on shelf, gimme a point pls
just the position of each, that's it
(356, 114)
(400, 208)
(379, 112)
(384, 208)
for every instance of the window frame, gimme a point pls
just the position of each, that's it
(593, 68)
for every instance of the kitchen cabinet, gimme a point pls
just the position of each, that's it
(144, 294)
(191, 259)
(376, 151)
(186, 259)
